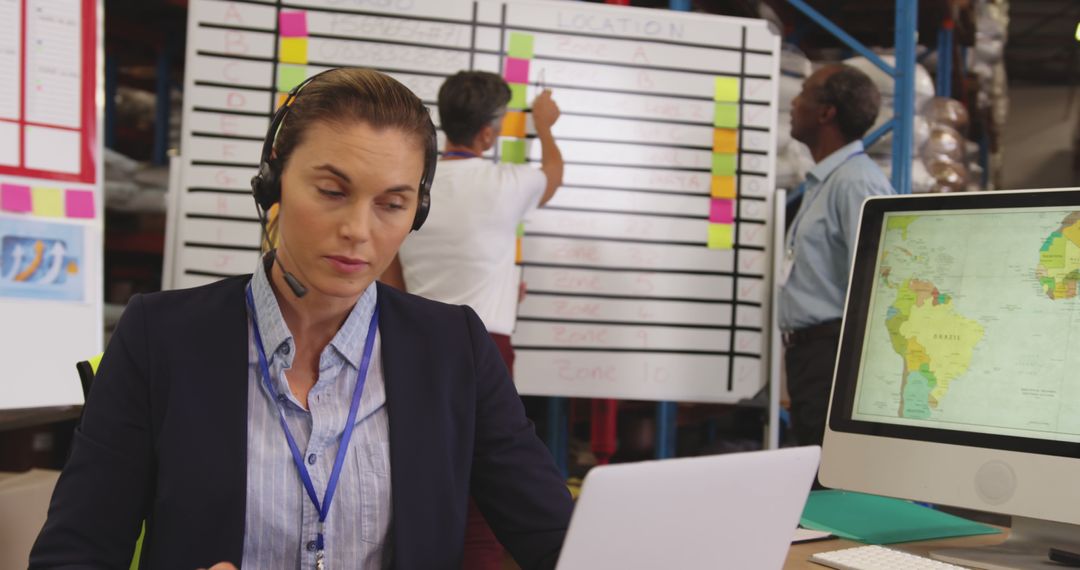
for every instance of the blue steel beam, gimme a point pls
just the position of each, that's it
(667, 412)
(843, 36)
(945, 60)
(666, 429)
(162, 107)
(558, 436)
(907, 13)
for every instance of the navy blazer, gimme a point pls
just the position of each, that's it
(164, 438)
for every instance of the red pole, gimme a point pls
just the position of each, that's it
(604, 441)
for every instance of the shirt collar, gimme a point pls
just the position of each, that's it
(823, 169)
(348, 342)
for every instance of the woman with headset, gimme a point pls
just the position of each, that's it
(306, 416)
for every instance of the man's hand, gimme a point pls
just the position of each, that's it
(221, 566)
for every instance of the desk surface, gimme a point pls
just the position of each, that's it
(14, 419)
(799, 553)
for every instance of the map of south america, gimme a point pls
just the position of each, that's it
(935, 342)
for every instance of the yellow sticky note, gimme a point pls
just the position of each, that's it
(723, 187)
(721, 236)
(727, 89)
(47, 202)
(513, 124)
(293, 50)
(725, 141)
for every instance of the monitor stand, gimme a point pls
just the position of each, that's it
(1027, 546)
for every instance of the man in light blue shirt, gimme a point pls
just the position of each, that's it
(836, 107)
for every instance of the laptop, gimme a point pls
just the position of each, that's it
(736, 511)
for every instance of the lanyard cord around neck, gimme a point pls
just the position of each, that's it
(323, 507)
(460, 154)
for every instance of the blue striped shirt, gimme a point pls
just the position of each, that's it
(822, 236)
(281, 522)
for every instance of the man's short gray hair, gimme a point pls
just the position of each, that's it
(856, 98)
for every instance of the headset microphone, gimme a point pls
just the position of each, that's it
(297, 287)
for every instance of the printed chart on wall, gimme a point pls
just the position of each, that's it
(50, 199)
(647, 274)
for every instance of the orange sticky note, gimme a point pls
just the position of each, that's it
(725, 141)
(281, 97)
(513, 124)
(723, 187)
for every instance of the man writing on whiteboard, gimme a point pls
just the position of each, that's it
(836, 107)
(465, 254)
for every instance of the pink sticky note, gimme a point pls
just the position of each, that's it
(15, 198)
(517, 70)
(79, 204)
(722, 211)
(293, 24)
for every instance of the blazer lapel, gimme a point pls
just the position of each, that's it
(419, 469)
(225, 350)
(398, 367)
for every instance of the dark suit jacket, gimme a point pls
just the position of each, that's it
(164, 437)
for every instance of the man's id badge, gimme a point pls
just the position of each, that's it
(785, 268)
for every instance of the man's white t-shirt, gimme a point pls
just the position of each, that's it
(465, 252)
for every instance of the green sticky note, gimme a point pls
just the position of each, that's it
(521, 230)
(517, 96)
(513, 151)
(521, 45)
(721, 236)
(727, 89)
(723, 164)
(727, 116)
(882, 520)
(289, 76)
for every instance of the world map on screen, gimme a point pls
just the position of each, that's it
(974, 323)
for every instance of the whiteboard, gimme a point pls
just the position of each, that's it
(626, 299)
(51, 199)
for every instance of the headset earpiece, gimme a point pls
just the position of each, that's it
(266, 185)
(431, 159)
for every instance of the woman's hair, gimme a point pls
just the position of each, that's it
(469, 101)
(346, 96)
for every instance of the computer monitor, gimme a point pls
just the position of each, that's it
(958, 375)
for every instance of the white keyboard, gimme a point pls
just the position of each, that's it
(878, 558)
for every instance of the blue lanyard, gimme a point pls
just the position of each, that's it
(460, 154)
(805, 206)
(346, 435)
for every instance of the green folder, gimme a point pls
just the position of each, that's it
(880, 520)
